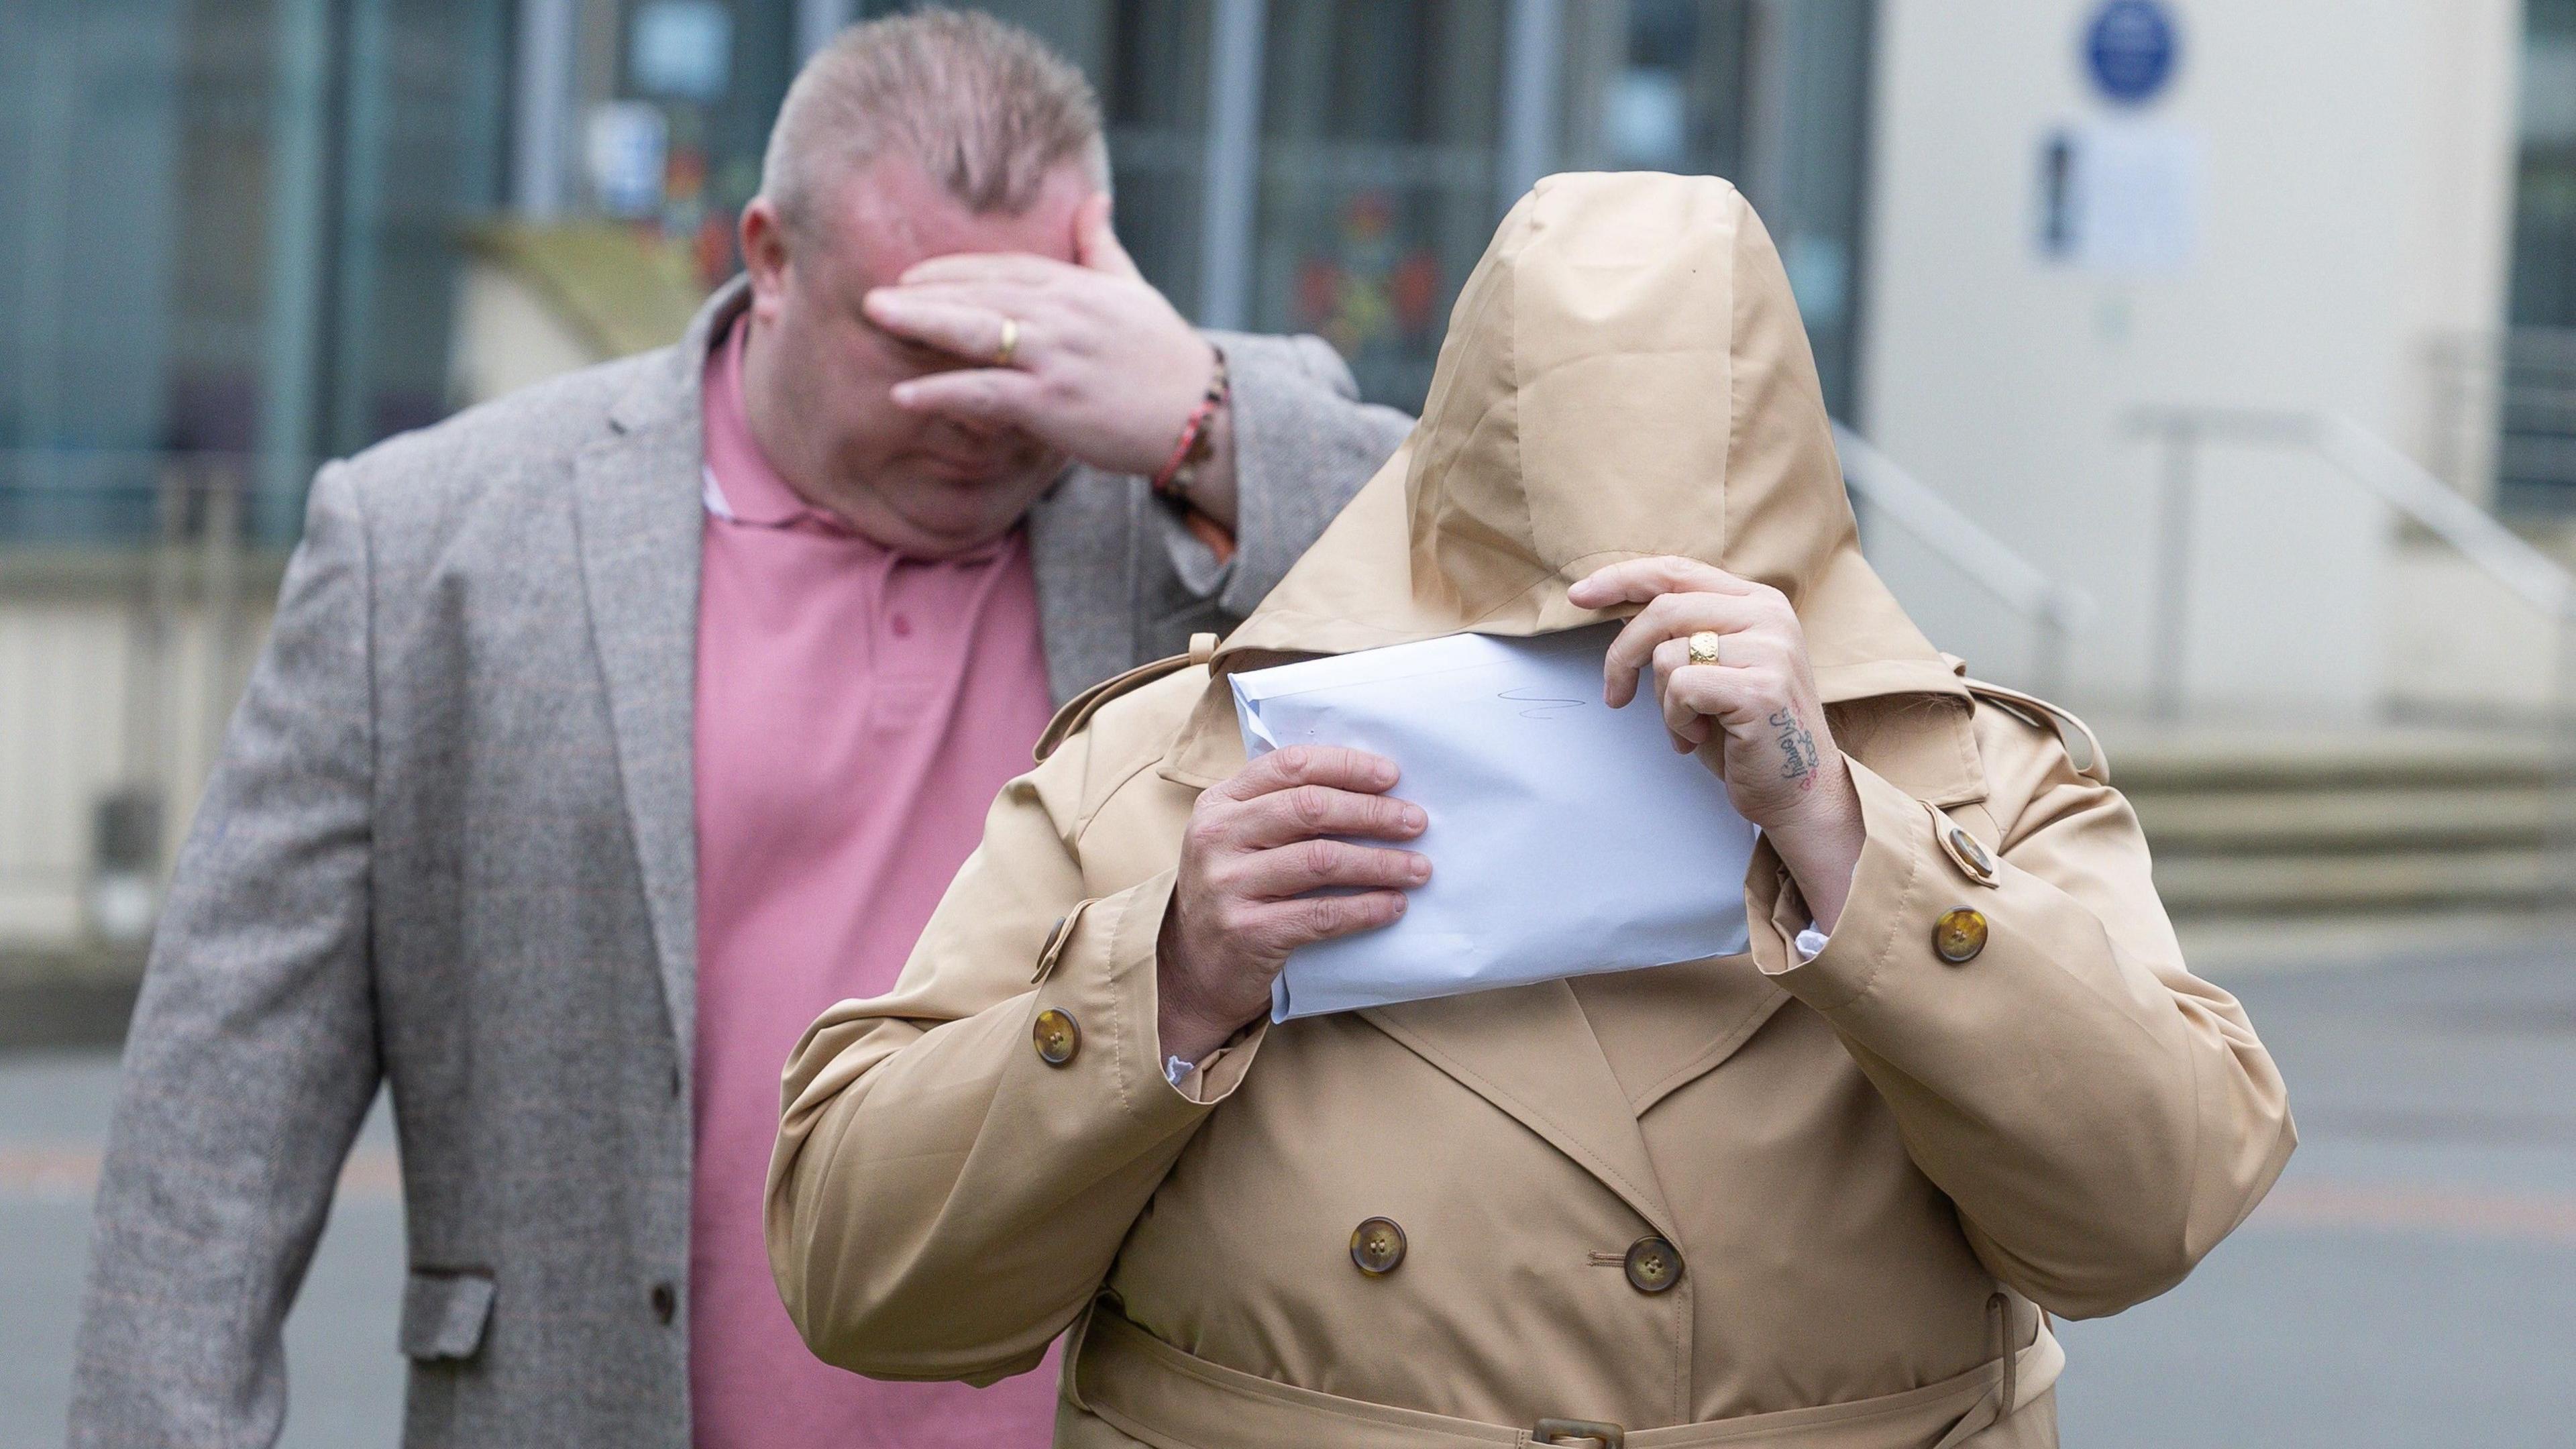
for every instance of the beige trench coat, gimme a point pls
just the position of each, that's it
(1739, 1201)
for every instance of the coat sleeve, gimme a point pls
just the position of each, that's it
(1303, 444)
(251, 1057)
(2099, 1116)
(943, 1201)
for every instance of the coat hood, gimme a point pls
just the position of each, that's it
(1625, 375)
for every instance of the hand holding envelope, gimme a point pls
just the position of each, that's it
(1566, 837)
(1569, 838)
(1274, 860)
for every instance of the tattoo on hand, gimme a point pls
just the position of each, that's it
(1797, 748)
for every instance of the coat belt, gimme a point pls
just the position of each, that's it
(1174, 1400)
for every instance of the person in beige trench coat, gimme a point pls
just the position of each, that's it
(1759, 1200)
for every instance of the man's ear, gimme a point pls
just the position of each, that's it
(765, 257)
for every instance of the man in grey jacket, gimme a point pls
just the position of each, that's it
(609, 726)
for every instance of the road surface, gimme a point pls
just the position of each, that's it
(2412, 1282)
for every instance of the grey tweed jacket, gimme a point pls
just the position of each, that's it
(448, 847)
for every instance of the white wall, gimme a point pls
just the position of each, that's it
(88, 705)
(508, 336)
(2355, 170)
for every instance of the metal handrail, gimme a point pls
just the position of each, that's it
(2408, 486)
(2504, 414)
(2055, 609)
(122, 499)
(2359, 455)
(2403, 484)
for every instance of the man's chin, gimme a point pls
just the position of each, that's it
(926, 514)
(945, 529)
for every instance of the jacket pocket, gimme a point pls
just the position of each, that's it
(444, 1312)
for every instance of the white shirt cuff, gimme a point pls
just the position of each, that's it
(1810, 944)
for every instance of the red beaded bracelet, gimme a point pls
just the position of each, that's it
(1194, 443)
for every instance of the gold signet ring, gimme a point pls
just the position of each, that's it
(1703, 647)
(1010, 347)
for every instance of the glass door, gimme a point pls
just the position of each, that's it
(1383, 139)
(1770, 94)
(1152, 73)
(2535, 407)
(1379, 128)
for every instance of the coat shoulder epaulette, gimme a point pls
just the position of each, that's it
(2083, 750)
(1078, 710)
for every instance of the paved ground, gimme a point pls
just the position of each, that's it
(344, 1379)
(2413, 1281)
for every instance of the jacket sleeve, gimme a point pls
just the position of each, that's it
(2099, 1116)
(251, 1057)
(1303, 444)
(943, 1201)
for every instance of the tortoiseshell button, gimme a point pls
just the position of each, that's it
(1971, 855)
(1652, 1265)
(1959, 935)
(1377, 1246)
(1057, 1037)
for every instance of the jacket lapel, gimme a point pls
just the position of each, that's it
(1082, 543)
(1529, 1051)
(640, 514)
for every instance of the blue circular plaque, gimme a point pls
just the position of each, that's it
(2130, 49)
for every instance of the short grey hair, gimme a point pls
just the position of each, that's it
(981, 105)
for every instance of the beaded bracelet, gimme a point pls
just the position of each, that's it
(1194, 443)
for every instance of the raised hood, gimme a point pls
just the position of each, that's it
(1625, 375)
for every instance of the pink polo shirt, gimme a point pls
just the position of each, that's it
(856, 713)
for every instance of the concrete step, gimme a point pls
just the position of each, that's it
(2226, 949)
(2258, 826)
(79, 996)
(2213, 885)
(2319, 821)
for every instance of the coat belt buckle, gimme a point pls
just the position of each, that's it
(1579, 1431)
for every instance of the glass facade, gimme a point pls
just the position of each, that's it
(2535, 457)
(227, 235)
(2544, 233)
(1771, 94)
(232, 231)
(1379, 128)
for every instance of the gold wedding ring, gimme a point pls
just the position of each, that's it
(1703, 647)
(1010, 347)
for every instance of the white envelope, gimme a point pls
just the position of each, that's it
(1565, 838)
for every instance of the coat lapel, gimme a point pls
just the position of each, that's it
(1529, 1051)
(1666, 1027)
(640, 514)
